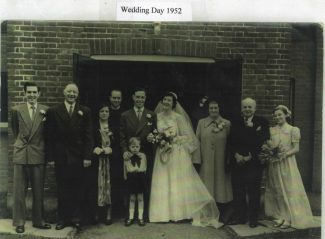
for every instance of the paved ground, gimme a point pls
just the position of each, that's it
(160, 231)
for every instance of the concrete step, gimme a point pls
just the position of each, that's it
(161, 231)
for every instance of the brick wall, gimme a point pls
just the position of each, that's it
(42, 51)
(303, 70)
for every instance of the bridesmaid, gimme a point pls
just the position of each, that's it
(212, 132)
(102, 153)
(285, 197)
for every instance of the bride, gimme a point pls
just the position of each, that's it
(177, 191)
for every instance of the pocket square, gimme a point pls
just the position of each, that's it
(149, 123)
(258, 128)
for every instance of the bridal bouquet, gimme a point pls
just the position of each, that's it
(164, 139)
(271, 153)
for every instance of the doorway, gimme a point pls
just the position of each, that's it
(219, 79)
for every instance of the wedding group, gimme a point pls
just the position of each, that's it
(158, 165)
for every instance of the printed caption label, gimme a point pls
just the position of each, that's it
(153, 11)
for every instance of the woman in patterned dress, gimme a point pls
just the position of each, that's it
(285, 197)
(102, 153)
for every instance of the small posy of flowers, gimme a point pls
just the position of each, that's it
(106, 136)
(271, 153)
(164, 138)
(219, 127)
(80, 113)
(249, 124)
(149, 117)
(43, 112)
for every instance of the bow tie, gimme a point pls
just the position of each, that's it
(135, 160)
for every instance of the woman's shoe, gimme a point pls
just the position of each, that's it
(128, 222)
(278, 222)
(285, 225)
(108, 222)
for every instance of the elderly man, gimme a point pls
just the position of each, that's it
(247, 135)
(28, 157)
(70, 137)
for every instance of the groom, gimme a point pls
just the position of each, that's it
(139, 122)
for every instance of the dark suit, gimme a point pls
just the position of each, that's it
(70, 142)
(246, 178)
(28, 160)
(130, 126)
(116, 165)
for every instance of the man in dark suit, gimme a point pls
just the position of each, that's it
(139, 122)
(247, 135)
(28, 157)
(116, 162)
(70, 137)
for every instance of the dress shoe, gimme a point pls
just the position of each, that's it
(236, 222)
(141, 223)
(108, 222)
(253, 224)
(285, 225)
(77, 225)
(20, 229)
(43, 226)
(128, 222)
(60, 225)
(278, 222)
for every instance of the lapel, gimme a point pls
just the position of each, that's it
(143, 121)
(63, 113)
(133, 118)
(75, 115)
(37, 120)
(25, 116)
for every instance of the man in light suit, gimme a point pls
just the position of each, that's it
(247, 135)
(69, 128)
(28, 157)
(139, 122)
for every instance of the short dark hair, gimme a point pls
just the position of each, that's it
(115, 90)
(102, 105)
(29, 83)
(213, 101)
(174, 97)
(136, 89)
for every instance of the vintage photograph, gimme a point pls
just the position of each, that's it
(161, 129)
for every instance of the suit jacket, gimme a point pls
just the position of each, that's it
(131, 127)
(70, 138)
(29, 146)
(244, 139)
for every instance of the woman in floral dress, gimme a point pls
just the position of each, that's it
(285, 197)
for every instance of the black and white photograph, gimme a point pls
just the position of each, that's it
(161, 129)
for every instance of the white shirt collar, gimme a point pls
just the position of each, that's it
(67, 105)
(250, 118)
(29, 106)
(136, 109)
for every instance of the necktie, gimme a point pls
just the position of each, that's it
(139, 114)
(33, 112)
(70, 110)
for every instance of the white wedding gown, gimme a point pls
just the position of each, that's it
(177, 191)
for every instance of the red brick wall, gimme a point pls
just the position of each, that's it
(42, 51)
